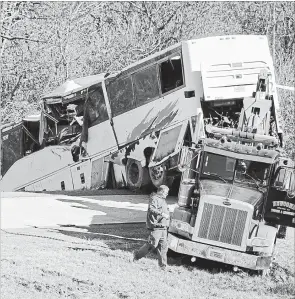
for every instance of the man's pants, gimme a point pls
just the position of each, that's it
(156, 240)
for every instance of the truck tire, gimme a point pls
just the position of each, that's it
(158, 175)
(282, 232)
(136, 175)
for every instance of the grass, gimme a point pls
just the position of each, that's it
(92, 263)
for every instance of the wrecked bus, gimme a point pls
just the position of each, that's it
(156, 105)
(138, 119)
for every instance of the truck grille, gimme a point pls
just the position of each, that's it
(222, 224)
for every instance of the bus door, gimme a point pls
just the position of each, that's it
(169, 143)
(280, 206)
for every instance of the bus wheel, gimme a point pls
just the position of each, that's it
(134, 174)
(158, 175)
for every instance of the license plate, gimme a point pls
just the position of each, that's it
(216, 255)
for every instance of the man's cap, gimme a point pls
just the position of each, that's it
(163, 188)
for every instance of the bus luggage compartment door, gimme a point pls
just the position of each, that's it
(81, 175)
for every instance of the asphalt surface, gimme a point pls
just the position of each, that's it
(24, 209)
(118, 214)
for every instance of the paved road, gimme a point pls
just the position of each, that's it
(119, 208)
(20, 210)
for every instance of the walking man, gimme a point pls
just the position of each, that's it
(157, 222)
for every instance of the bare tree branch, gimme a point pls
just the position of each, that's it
(21, 38)
(16, 86)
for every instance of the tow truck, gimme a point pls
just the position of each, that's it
(237, 187)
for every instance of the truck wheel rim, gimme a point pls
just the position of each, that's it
(157, 172)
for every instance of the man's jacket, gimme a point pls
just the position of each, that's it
(157, 206)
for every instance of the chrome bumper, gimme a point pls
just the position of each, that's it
(210, 252)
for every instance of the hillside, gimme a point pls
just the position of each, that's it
(96, 262)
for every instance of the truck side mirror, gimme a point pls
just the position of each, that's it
(185, 158)
(285, 179)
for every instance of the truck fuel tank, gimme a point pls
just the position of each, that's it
(180, 222)
(185, 193)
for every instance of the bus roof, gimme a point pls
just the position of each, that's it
(207, 48)
(224, 49)
(148, 60)
(72, 86)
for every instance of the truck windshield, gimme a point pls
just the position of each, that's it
(218, 167)
(252, 172)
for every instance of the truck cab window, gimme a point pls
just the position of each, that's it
(171, 73)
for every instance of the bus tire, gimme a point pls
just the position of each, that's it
(158, 175)
(134, 174)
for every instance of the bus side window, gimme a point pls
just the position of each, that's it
(146, 85)
(121, 95)
(97, 110)
(171, 73)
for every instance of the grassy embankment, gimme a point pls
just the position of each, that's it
(92, 263)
